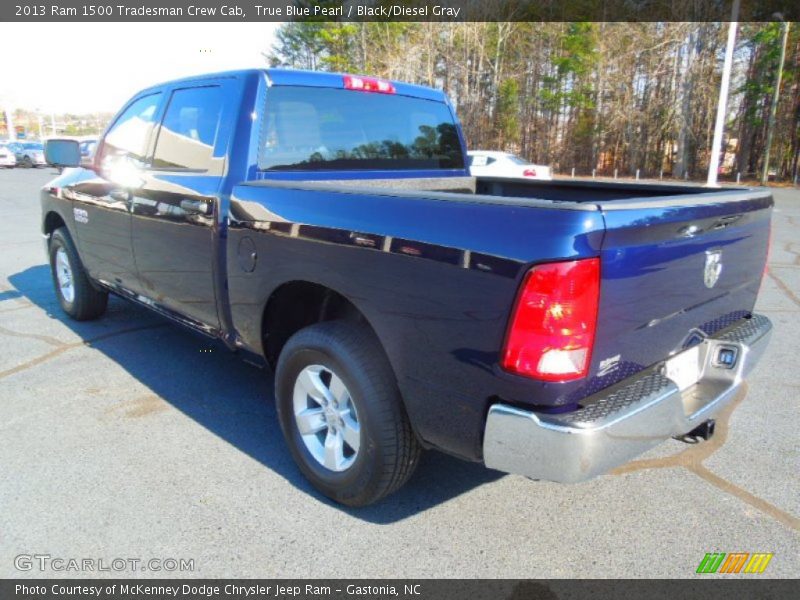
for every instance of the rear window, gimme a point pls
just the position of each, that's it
(331, 129)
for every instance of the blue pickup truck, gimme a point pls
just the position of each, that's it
(327, 226)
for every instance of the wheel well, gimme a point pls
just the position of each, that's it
(52, 222)
(298, 304)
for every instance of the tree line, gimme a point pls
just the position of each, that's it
(589, 96)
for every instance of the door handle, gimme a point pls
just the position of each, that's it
(196, 207)
(120, 195)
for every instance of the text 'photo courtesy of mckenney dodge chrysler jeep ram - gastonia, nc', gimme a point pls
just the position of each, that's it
(550, 328)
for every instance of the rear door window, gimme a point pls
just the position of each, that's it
(188, 133)
(310, 128)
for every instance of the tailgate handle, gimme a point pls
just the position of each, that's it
(726, 221)
(689, 231)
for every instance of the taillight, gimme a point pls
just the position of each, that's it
(368, 84)
(551, 334)
(529, 172)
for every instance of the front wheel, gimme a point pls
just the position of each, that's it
(342, 415)
(76, 294)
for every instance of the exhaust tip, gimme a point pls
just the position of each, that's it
(704, 431)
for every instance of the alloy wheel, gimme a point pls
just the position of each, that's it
(326, 418)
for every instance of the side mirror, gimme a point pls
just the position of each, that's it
(62, 153)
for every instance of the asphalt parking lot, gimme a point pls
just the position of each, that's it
(130, 437)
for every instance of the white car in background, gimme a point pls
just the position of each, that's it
(488, 163)
(30, 154)
(7, 158)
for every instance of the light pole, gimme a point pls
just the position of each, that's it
(12, 132)
(719, 126)
(776, 94)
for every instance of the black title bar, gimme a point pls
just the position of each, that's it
(394, 589)
(396, 10)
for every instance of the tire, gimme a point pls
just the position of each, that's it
(27, 162)
(80, 299)
(388, 451)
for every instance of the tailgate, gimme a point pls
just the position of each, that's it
(674, 270)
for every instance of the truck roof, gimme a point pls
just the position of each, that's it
(296, 77)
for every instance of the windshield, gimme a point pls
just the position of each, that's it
(334, 129)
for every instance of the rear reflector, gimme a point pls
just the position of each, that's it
(769, 251)
(765, 271)
(551, 334)
(368, 84)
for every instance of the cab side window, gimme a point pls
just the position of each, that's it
(129, 136)
(188, 132)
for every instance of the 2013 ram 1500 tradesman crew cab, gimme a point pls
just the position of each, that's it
(327, 225)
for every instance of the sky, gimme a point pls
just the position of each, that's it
(90, 67)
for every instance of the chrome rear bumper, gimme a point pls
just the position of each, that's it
(624, 420)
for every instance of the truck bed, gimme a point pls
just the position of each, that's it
(575, 195)
(439, 269)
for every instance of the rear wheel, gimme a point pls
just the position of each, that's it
(76, 294)
(342, 415)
